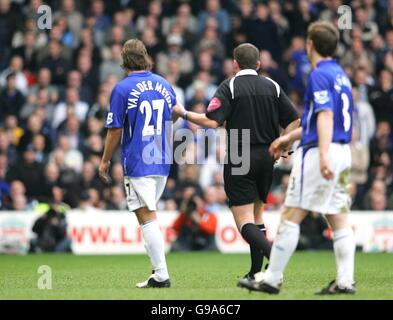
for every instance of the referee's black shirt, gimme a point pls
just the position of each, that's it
(250, 101)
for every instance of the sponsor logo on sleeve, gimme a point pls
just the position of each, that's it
(321, 97)
(109, 119)
(214, 104)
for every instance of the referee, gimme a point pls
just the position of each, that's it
(248, 101)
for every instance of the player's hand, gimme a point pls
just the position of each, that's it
(103, 172)
(178, 109)
(278, 146)
(326, 172)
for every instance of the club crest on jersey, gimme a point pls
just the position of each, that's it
(214, 104)
(321, 97)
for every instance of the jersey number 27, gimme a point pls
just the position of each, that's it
(147, 109)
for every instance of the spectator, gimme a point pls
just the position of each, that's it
(211, 43)
(112, 66)
(57, 65)
(263, 32)
(213, 10)
(8, 24)
(101, 20)
(271, 69)
(117, 200)
(117, 175)
(4, 185)
(73, 17)
(35, 125)
(151, 42)
(44, 79)
(72, 105)
(90, 76)
(381, 98)
(11, 99)
(38, 103)
(15, 68)
(360, 163)
(363, 117)
(74, 81)
(7, 148)
(375, 199)
(300, 18)
(299, 66)
(211, 198)
(29, 171)
(364, 21)
(27, 51)
(175, 51)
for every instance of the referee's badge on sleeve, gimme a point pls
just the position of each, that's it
(214, 104)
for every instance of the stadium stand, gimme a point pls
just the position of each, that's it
(55, 86)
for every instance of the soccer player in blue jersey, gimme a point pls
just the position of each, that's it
(140, 110)
(319, 180)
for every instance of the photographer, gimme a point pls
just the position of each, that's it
(195, 227)
(51, 231)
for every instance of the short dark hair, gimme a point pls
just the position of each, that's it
(246, 55)
(135, 56)
(324, 36)
(11, 75)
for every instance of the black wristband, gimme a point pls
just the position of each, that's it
(184, 116)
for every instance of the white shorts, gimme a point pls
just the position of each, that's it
(144, 191)
(308, 190)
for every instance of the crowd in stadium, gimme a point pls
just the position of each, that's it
(55, 87)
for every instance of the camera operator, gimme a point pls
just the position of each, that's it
(195, 226)
(51, 231)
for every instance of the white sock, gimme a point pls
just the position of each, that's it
(283, 247)
(344, 249)
(156, 249)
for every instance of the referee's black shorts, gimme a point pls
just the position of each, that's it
(253, 186)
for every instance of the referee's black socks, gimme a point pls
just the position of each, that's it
(259, 246)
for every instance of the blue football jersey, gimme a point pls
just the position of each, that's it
(328, 87)
(141, 104)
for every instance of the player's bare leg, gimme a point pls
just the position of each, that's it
(154, 244)
(344, 250)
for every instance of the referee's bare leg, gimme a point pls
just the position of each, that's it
(247, 217)
(154, 243)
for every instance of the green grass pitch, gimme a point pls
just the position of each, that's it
(194, 276)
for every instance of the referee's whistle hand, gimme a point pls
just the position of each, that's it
(277, 148)
(103, 172)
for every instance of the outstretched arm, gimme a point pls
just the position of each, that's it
(198, 118)
(291, 127)
(283, 143)
(111, 142)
